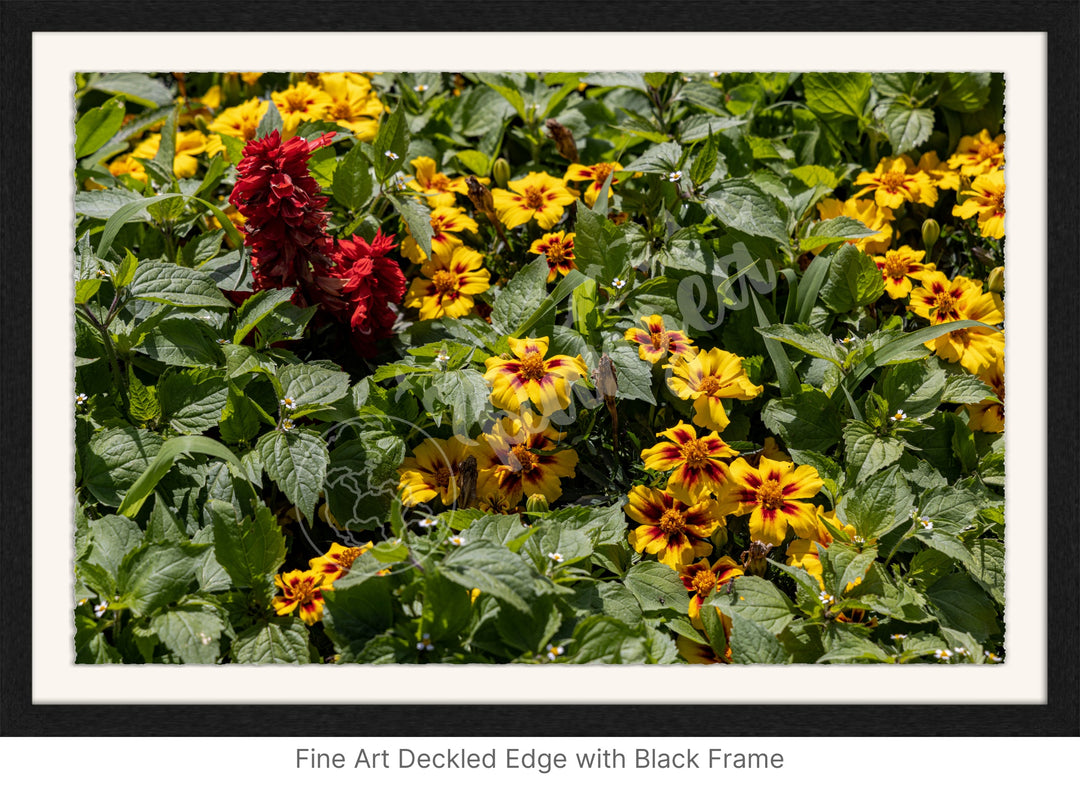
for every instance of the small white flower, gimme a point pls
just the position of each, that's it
(556, 557)
(102, 272)
(926, 523)
(287, 424)
(457, 541)
(848, 339)
(914, 513)
(392, 155)
(992, 657)
(425, 644)
(82, 602)
(400, 181)
(288, 403)
(859, 540)
(442, 357)
(826, 598)
(675, 175)
(960, 651)
(898, 636)
(81, 399)
(554, 652)
(686, 79)
(420, 87)
(428, 521)
(714, 74)
(942, 653)
(618, 283)
(900, 415)
(100, 608)
(222, 341)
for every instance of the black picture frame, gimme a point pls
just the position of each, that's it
(1059, 716)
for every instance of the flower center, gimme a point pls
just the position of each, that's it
(556, 253)
(704, 581)
(249, 127)
(893, 181)
(997, 200)
(896, 265)
(534, 198)
(987, 150)
(672, 521)
(303, 592)
(340, 110)
(444, 282)
(601, 172)
(532, 366)
(945, 304)
(696, 452)
(659, 340)
(437, 225)
(709, 384)
(440, 181)
(442, 478)
(770, 495)
(526, 459)
(296, 103)
(349, 556)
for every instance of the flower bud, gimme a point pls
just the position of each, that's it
(500, 171)
(996, 281)
(481, 196)
(537, 504)
(753, 559)
(931, 232)
(564, 140)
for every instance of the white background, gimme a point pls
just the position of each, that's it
(1021, 679)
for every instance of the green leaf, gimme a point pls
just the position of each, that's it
(166, 152)
(467, 394)
(806, 339)
(853, 280)
(85, 290)
(602, 638)
(663, 158)
(987, 567)
(192, 633)
(878, 504)
(905, 348)
(352, 180)
(742, 205)
(843, 645)
(417, 216)
(836, 229)
(965, 92)
(494, 570)
(967, 389)
(280, 641)
(313, 384)
(705, 162)
(914, 387)
(392, 138)
(907, 127)
(192, 401)
(866, 452)
(256, 308)
(520, 296)
(361, 481)
(97, 126)
(114, 461)
(962, 605)
(177, 285)
(657, 587)
(837, 95)
(362, 606)
(531, 631)
(600, 246)
(250, 550)
(757, 599)
(806, 420)
(296, 461)
(507, 88)
(157, 574)
(752, 644)
(110, 539)
(169, 451)
(181, 341)
(135, 87)
(634, 374)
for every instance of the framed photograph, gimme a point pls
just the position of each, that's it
(543, 375)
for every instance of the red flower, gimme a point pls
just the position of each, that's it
(283, 206)
(370, 283)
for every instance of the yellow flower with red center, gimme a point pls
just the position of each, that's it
(975, 348)
(301, 590)
(803, 551)
(353, 105)
(538, 196)
(432, 471)
(127, 165)
(895, 181)
(445, 222)
(985, 199)
(701, 579)
(869, 213)
(989, 416)
(298, 103)
(558, 249)
(708, 377)
(941, 175)
(898, 267)
(448, 284)
(676, 532)
(338, 560)
(519, 462)
(937, 299)
(655, 342)
(979, 154)
(438, 188)
(773, 495)
(528, 377)
(241, 121)
(695, 464)
(596, 174)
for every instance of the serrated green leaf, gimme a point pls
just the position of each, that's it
(296, 461)
(161, 281)
(657, 587)
(157, 574)
(280, 641)
(192, 633)
(837, 95)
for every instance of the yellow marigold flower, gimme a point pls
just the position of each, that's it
(528, 377)
(127, 165)
(941, 175)
(895, 181)
(869, 213)
(989, 416)
(432, 471)
(986, 200)
(695, 463)
(241, 121)
(773, 495)
(300, 102)
(898, 267)
(595, 174)
(301, 589)
(654, 342)
(445, 222)
(353, 105)
(337, 561)
(212, 98)
(188, 146)
(558, 249)
(803, 552)
(975, 348)
(701, 580)
(250, 77)
(979, 154)
(520, 462)
(537, 196)
(771, 450)
(708, 377)
(448, 284)
(438, 188)
(937, 299)
(676, 532)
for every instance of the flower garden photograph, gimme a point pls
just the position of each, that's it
(539, 368)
